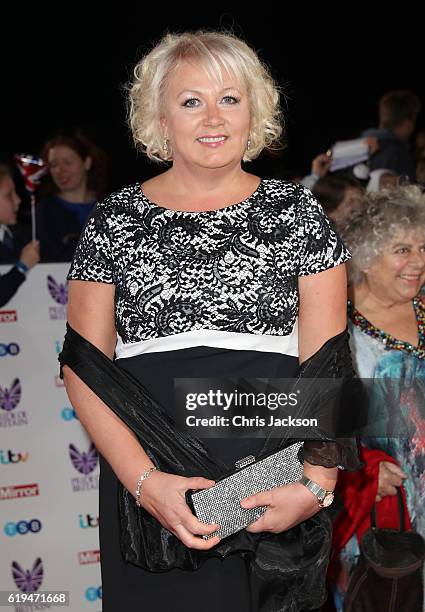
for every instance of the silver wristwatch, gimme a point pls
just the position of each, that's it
(324, 497)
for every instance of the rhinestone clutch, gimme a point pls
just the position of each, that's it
(221, 503)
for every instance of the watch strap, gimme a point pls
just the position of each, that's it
(316, 489)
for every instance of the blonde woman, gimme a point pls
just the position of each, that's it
(205, 270)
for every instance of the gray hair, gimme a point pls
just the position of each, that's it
(383, 215)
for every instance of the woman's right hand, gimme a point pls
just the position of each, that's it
(391, 476)
(163, 496)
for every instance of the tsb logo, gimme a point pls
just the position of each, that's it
(22, 527)
(93, 593)
(68, 414)
(11, 349)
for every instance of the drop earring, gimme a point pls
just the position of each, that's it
(165, 147)
(248, 144)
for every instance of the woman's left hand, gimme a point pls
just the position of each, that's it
(287, 506)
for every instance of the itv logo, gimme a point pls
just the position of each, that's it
(88, 521)
(8, 456)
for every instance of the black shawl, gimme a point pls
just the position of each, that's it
(288, 569)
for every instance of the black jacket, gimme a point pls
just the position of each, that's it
(393, 154)
(13, 279)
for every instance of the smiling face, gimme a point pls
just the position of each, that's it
(67, 168)
(9, 201)
(206, 122)
(399, 273)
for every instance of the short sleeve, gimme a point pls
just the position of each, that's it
(321, 248)
(93, 258)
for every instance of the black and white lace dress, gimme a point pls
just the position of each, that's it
(200, 294)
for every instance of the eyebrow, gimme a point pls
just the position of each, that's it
(406, 244)
(195, 91)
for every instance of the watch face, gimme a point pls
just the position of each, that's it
(327, 500)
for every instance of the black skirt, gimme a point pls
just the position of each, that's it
(219, 585)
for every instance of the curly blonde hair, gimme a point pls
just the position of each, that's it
(214, 51)
(384, 215)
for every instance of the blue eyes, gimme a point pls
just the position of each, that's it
(231, 99)
(195, 102)
(191, 103)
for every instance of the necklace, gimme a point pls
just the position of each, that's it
(390, 342)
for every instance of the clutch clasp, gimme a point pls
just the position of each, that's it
(241, 463)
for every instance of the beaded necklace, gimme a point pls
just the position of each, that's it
(388, 340)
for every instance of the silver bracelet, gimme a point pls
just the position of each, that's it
(139, 483)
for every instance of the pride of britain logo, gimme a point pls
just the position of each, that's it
(29, 581)
(59, 292)
(9, 400)
(85, 463)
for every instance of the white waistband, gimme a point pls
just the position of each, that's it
(287, 345)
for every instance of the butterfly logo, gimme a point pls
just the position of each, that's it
(28, 581)
(10, 398)
(58, 291)
(83, 462)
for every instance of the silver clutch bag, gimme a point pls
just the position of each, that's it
(221, 503)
